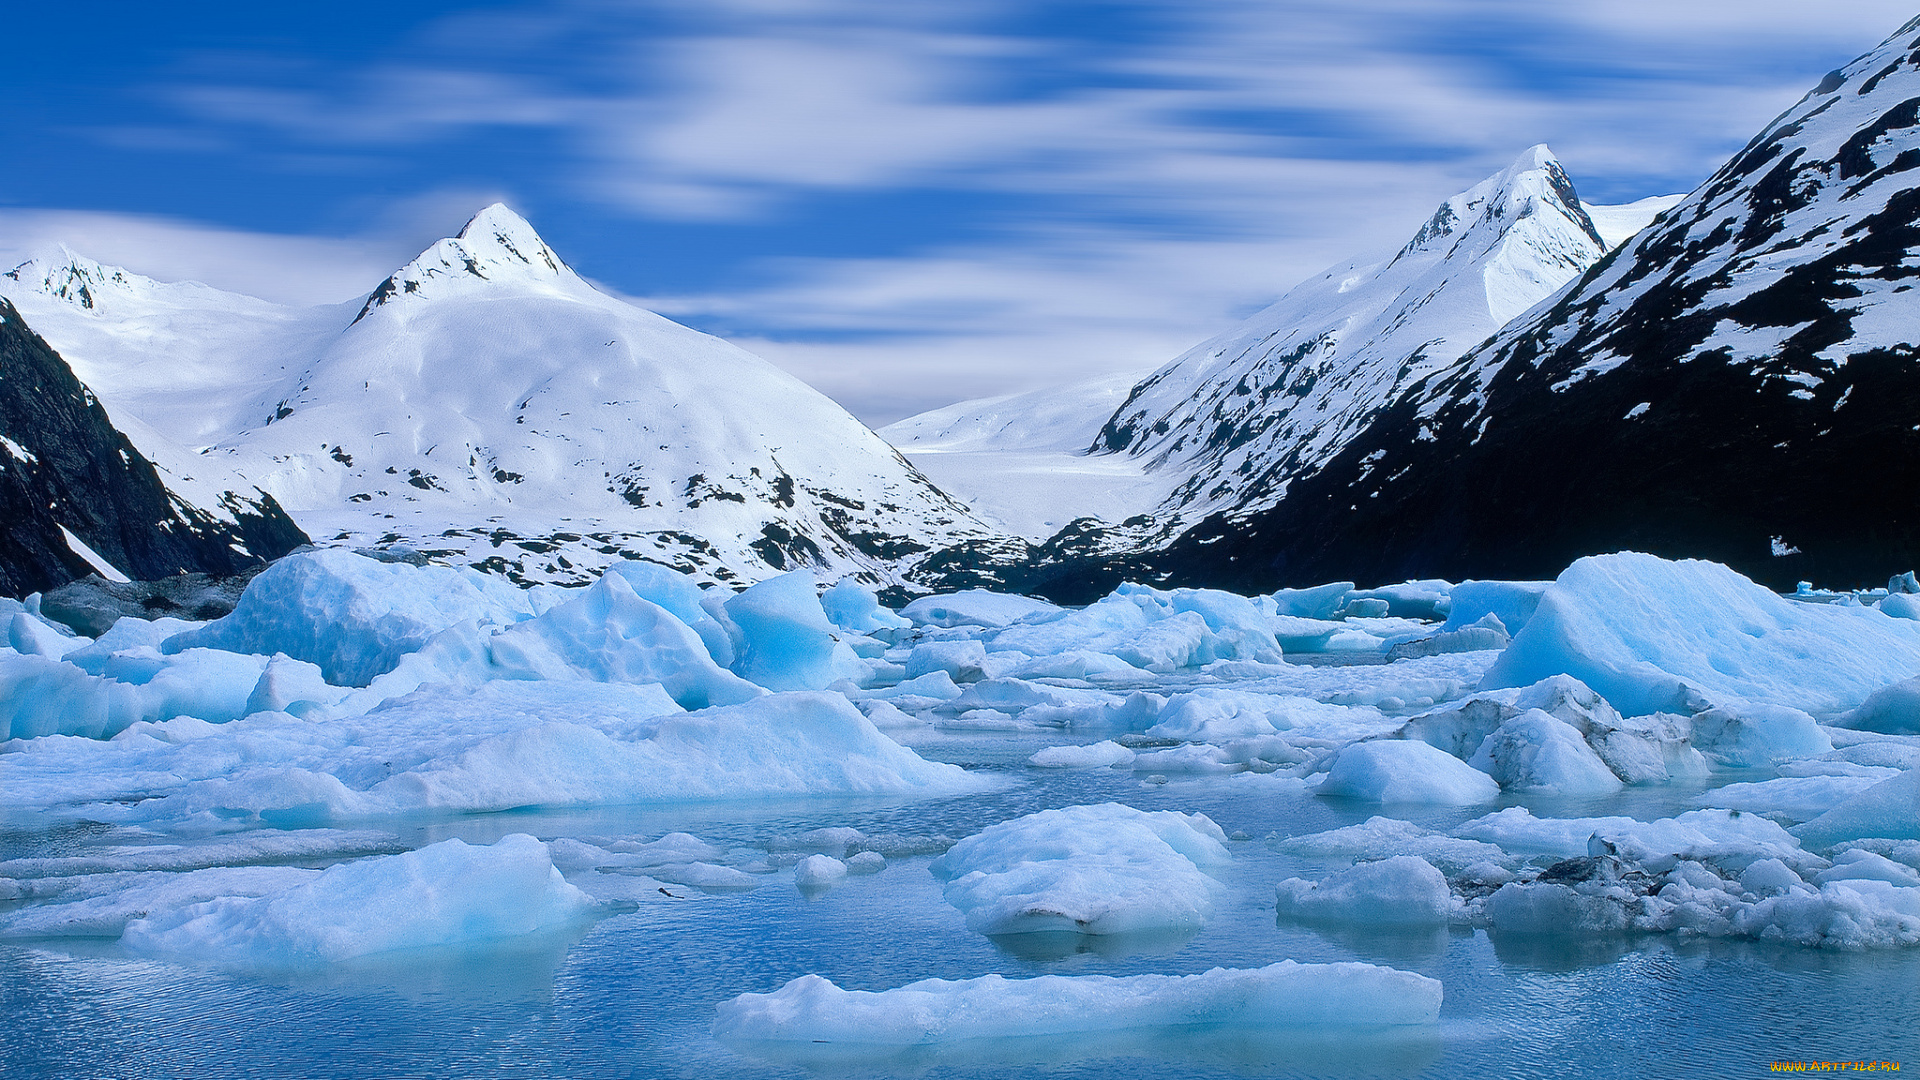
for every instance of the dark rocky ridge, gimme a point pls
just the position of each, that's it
(64, 464)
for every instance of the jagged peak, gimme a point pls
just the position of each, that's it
(496, 244)
(64, 274)
(1534, 181)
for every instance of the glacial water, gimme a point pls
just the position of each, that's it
(632, 995)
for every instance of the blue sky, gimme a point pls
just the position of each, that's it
(904, 203)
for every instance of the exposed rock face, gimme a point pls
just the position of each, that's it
(67, 475)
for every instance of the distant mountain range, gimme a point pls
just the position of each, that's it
(487, 405)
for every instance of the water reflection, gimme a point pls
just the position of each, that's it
(1381, 944)
(1263, 1051)
(1562, 952)
(1048, 946)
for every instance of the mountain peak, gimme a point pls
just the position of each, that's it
(1533, 183)
(495, 245)
(64, 274)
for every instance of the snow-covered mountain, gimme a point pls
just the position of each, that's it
(76, 496)
(487, 404)
(1239, 417)
(1736, 383)
(1232, 422)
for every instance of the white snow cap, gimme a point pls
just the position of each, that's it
(496, 245)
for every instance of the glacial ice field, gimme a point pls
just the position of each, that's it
(408, 820)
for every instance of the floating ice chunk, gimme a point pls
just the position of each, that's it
(1729, 838)
(1404, 890)
(1072, 664)
(1318, 602)
(1650, 635)
(503, 745)
(1512, 602)
(1297, 635)
(1901, 606)
(1536, 751)
(354, 616)
(32, 637)
(1890, 710)
(126, 633)
(1460, 727)
(1859, 865)
(1287, 994)
(1106, 869)
(292, 686)
(677, 593)
(104, 904)
(937, 685)
(1545, 907)
(1192, 759)
(963, 661)
(1168, 645)
(819, 872)
(1216, 714)
(1849, 914)
(1800, 798)
(41, 695)
(1648, 749)
(866, 862)
(448, 893)
(1427, 600)
(607, 633)
(1888, 810)
(975, 607)
(1751, 735)
(1384, 837)
(789, 644)
(852, 606)
(1769, 877)
(1239, 629)
(1405, 771)
(1488, 633)
(1098, 755)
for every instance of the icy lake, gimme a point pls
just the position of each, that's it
(158, 921)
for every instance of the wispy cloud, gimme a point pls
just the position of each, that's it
(1158, 167)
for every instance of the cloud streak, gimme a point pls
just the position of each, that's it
(1155, 168)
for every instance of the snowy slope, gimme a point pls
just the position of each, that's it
(1239, 417)
(488, 404)
(1021, 460)
(1736, 383)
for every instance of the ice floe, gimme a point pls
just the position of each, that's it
(1286, 994)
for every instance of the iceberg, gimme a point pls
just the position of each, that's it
(1404, 890)
(1106, 869)
(449, 893)
(1405, 771)
(353, 616)
(1287, 994)
(504, 745)
(1657, 636)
